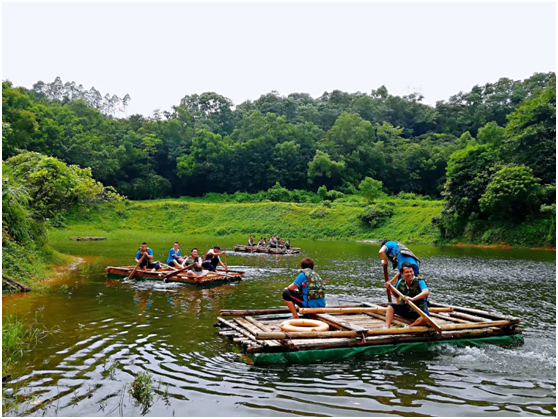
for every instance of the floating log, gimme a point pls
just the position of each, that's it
(12, 283)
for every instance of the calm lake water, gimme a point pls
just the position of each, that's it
(106, 330)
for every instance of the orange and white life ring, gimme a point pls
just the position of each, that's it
(304, 325)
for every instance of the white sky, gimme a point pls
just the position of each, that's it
(159, 53)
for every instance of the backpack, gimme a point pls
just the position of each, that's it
(315, 285)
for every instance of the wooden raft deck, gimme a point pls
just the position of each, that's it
(266, 249)
(258, 331)
(205, 277)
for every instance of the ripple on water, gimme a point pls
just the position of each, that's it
(126, 327)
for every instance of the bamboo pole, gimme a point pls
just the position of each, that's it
(136, 268)
(448, 318)
(258, 324)
(264, 311)
(176, 272)
(238, 329)
(418, 310)
(392, 339)
(252, 329)
(350, 310)
(338, 323)
(378, 332)
(476, 311)
(386, 280)
(469, 317)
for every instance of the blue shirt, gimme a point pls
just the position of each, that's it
(172, 253)
(393, 250)
(299, 281)
(149, 252)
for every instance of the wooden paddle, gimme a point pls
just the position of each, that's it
(225, 257)
(386, 279)
(135, 269)
(177, 271)
(418, 310)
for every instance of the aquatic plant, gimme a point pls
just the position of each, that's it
(140, 390)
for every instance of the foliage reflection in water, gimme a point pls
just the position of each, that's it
(113, 331)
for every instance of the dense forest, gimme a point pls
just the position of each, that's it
(490, 152)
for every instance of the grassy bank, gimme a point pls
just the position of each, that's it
(406, 220)
(31, 264)
(410, 220)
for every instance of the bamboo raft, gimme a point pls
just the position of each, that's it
(79, 239)
(266, 249)
(204, 277)
(357, 330)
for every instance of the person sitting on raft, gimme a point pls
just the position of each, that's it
(415, 290)
(251, 241)
(310, 289)
(272, 242)
(147, 261)
(212, 259)
(194, 260)
(288, 244)
(174, 260)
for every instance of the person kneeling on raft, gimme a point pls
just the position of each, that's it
(413, 289)
(307, 290)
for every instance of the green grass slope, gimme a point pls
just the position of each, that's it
(410, 223)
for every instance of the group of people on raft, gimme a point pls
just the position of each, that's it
(274, 241)
(194, 262)
(307, 290)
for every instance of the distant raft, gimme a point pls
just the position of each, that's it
(266, 249)
(204, 277)
(357, 330)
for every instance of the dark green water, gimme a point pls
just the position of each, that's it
(167, 329)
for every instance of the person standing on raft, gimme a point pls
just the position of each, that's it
(415, 290)
(310, 289)
(398, 254)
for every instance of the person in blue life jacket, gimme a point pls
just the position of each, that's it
(310, 289)
(413, 289)
(147, 261)
(398, 254)
(175, 258)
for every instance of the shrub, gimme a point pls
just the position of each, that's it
(278, 194)
(376, 214)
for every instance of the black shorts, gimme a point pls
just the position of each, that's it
(145, 264)
(405, 311)
(208, 265)
(293, 296)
